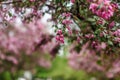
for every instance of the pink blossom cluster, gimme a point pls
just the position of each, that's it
(67, 21)
(98, 46)
(89, 36)
(32, 0)
(100, 21)
(114, 70)
(117, 35)
(73, 1)
(103, 8)
(84, 60)
(66, 15)
(26, 42)
(60, 36)
(9, 12)
(112, 24)
(92, 62)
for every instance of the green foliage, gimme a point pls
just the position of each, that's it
(5, 76)
(60, 70)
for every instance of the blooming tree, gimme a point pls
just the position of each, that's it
(91, 23)
(26, 45)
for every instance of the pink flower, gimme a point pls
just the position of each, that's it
(102, 8)
(93, 7)
(78, 39)
(100, 21)
(60, 36)
(117, 40)
(66, 22)
(103, 45)
(69, 29)
(59, 32)
(111, 24)
(66, 14)
(89, 36)
(73, 1)
(117, 33)
(95, 44)
(12, 59)
(32, 0)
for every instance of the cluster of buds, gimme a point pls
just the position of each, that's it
(60, 36)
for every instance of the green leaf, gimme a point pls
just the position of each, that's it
(10, 14)
(57, 1)
(110, 42)
(91, 19)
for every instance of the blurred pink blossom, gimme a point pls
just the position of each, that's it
(73, 1)
(102, 8)
(112, 24)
